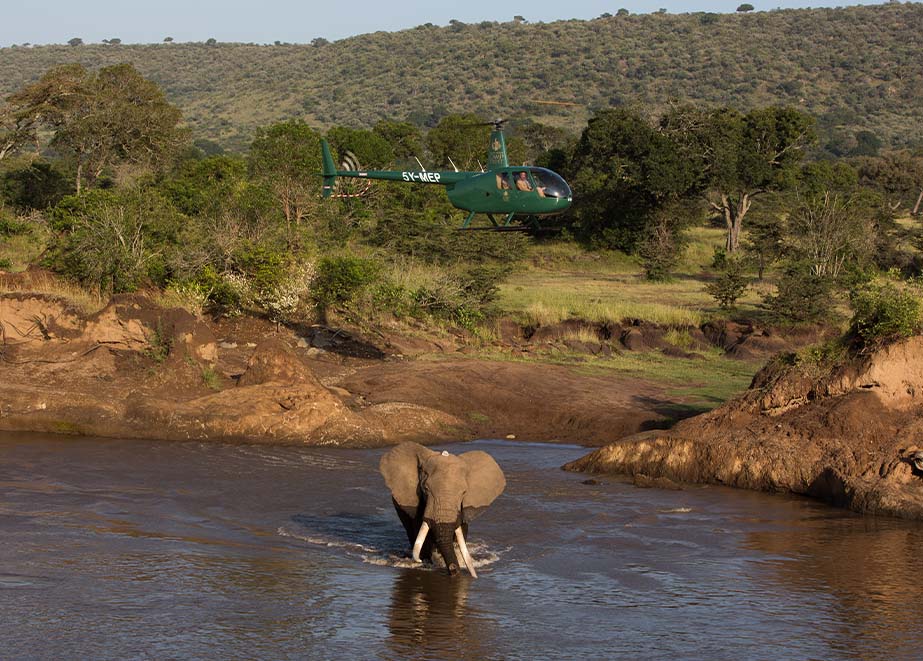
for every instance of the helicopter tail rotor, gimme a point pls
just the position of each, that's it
(349, 164)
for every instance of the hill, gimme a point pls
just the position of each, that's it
(855, 68)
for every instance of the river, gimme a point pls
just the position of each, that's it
(118, 549)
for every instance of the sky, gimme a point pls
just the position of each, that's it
(267, 21)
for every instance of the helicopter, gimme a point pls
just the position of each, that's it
(500, 190)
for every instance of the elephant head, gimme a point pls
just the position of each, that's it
(438, 494)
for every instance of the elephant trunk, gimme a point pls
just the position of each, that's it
(444, 538)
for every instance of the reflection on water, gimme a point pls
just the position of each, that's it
(868, 567)
(115, 549)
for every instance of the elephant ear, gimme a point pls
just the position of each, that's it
(485, 482)
(400, 467)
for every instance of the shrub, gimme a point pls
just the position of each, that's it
(885, 312)
(801, 297)
(12, 227)
(116, 241)
(730, 284)
(339, 280)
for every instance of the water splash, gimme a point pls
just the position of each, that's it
(481, 553)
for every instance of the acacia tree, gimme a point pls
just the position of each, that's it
(99, 120)
(742, 155)
(46, 102)
(118, 117)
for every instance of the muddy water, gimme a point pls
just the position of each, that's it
(115, 550)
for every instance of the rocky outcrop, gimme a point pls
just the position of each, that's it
(846, 433)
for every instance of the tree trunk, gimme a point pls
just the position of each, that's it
(734, 213)
(79, 176)
(916, 207)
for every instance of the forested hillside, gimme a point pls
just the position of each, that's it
(856, 69)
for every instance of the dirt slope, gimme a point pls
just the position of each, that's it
(847, 434)
(136, 370)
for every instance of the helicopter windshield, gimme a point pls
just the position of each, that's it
(550, 183)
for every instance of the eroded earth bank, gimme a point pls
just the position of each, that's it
(135, 370)
(847, 433)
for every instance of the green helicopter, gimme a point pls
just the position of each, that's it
(500, 190)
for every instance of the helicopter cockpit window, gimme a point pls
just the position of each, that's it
(549, 184)
(503, 181)
(522, 181)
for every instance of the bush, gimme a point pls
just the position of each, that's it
(12, 227)
(116, 241)
(729, 285)
(662, 248)
(801, 296)
(339, 280)
(885, 312)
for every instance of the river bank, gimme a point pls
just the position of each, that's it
(135, 370)
(847, 431)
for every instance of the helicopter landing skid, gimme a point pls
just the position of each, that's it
(498, 228)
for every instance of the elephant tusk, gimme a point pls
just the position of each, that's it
(418, 544)
(463, 547)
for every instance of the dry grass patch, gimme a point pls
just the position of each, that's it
(42, 282)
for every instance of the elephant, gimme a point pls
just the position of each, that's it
(437, 494)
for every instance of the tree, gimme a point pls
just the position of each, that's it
(898, 175)
(117, 116)
(372, 150)
(76, 41)
(628, 178)
(745, 7)
(729, 285)
(48, 101)
(831, 226)
(765, 241)
(168, 40)
(867, 144)
(114, 240)
(461, 138)
(287, 156)
(622, 12)
(405, 139)
(742, 156)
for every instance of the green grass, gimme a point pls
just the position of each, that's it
(562, 281)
